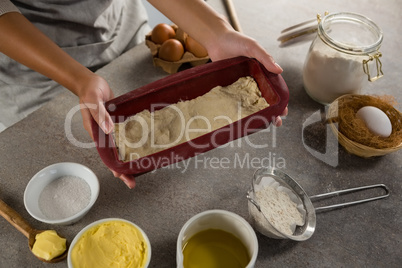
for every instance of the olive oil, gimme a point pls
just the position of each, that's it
(215, 248)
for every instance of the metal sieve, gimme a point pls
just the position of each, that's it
(304, 232)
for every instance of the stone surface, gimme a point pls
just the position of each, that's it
(366, 235)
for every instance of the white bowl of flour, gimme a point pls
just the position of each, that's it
(61, 193)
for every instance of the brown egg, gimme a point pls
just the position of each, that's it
(162, 32)
(196, 48)
(171, 50)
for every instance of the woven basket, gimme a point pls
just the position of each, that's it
(353, 146)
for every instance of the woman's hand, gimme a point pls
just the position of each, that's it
(93, 94)
(231, 44)
(29, 46)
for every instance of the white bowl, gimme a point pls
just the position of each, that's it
(86, 228)
(223, 220)
(47, 175)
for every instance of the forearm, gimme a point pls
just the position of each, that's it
(23, 42)
(196, 18)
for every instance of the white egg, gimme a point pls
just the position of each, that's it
(376, 120)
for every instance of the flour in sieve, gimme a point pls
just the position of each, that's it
(64, 197)
(279, 209)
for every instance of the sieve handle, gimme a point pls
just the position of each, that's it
(252, 201)
(335, 193)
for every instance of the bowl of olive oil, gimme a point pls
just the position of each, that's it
(217, 238)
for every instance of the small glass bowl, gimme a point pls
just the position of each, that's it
(262, 224)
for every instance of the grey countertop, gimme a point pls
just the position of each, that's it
(366, 235)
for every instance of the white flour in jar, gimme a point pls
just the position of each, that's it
(64, 197)
(278, 208)
(329, 74)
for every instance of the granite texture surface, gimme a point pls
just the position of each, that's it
(365, 235)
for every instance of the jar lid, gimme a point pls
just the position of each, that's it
(350, 33)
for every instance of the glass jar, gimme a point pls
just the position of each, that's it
(340, 57)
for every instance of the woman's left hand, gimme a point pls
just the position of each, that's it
(231, 44)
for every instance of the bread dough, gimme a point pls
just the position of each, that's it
(148, 132)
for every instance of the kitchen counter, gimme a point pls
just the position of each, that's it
(365, 235)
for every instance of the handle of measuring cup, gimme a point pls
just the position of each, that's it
(348, 191)
(252, 201)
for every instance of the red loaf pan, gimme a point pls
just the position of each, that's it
(187, 85)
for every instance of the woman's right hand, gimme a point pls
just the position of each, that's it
(94, 91)
(93, 94)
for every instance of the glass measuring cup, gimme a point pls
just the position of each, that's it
(304, 232)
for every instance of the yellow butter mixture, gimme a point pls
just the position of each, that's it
(48, 245)
(110, 244)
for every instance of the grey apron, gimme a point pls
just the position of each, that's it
(93, 32)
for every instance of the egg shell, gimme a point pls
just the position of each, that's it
(196, 48)
(171, 67)
(171, 50)
(376, 120)
(162, 32)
